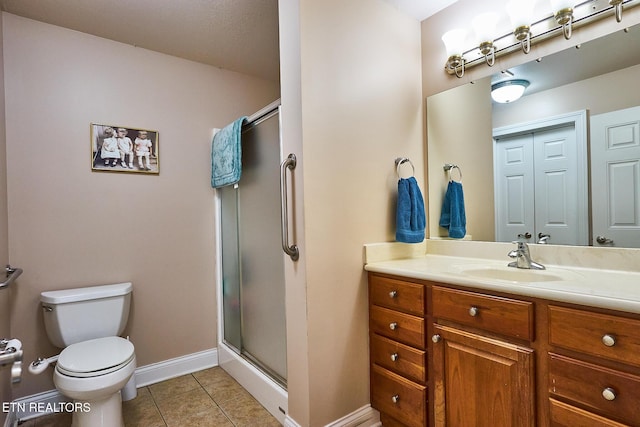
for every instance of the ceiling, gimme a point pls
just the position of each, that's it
(420, 9)
(236, 35)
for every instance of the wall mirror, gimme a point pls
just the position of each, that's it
(594, 79)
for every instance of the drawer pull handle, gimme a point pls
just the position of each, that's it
(394, 357)
(436, 338)
(395, 398)
(393, 326)
(609, 340)
(393, 294)
(609, 393)
(473, 311)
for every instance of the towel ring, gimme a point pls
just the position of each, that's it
(448, 167)
(400, 161)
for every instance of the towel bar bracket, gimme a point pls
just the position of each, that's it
(11, 275)
(400, 161)
(448, 167)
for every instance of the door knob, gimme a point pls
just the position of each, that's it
(603, 240)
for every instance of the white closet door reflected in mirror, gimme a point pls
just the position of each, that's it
(540, 181)
(615, 178)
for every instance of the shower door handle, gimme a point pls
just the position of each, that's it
(291, 250)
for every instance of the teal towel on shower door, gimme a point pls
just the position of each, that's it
(410, 215)
(226, 155)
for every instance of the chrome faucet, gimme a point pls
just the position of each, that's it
(523, 258)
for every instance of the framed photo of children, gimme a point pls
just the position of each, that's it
(124, 149)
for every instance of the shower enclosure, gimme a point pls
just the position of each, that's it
(251, 282)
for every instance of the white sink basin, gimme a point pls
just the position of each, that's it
(511, 274)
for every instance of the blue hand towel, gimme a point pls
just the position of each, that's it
(226, 155)
(410, 216)
(453, 216)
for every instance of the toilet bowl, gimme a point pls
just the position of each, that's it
(92, 373)
(95, 363)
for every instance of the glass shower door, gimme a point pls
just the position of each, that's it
(252, 258)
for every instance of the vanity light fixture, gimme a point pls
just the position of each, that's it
(563, 13)
(454, 43)
(520, 13)
(617, 7)
(508, 90)
(484, 26)
(526, 29)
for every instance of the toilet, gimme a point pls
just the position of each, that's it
(95, 363)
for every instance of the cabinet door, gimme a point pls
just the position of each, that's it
(479, 381)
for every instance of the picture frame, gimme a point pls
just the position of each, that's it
(124, 149)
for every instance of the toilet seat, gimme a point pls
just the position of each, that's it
(95, 357)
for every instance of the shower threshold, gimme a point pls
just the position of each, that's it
(269, 389)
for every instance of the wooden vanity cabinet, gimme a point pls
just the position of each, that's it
(482, 380)
(397, 351)
(497, 359)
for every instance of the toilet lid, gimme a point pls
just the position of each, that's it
(95, 357)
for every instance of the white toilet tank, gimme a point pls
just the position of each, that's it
(75, 315)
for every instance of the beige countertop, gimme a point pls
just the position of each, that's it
(606, 288)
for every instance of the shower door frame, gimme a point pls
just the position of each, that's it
(266, 390)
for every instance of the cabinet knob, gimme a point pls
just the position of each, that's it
(393, 326)
(395, 398)
(609, 340)
(393, 294)
(394, 357)
(436, 338)
(473, 311)
(609, 393)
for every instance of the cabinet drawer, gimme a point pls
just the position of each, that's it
(402, 359)
(398, 397)
(563, 415)
(397, 294)
(608, 392)
(401, 327)
(612, 337)
(505, 316)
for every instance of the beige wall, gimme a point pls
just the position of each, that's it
(361, 108)
(71, 227)
(298, 381)
(6, 294)
(4, 241)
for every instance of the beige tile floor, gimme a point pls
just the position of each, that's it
(209, 398)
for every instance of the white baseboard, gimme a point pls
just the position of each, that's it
(167, 369)
(363, 417)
